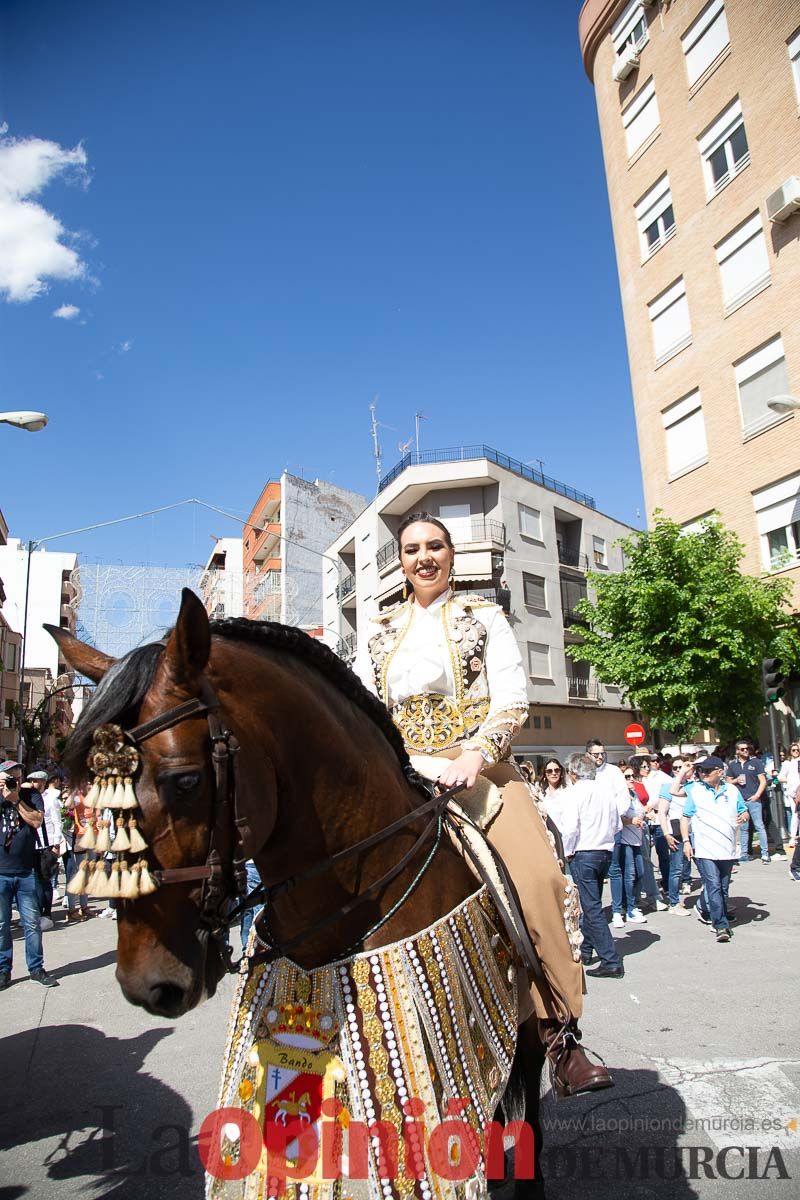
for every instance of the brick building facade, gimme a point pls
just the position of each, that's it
(698, 105)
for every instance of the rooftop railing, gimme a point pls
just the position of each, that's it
(470, 454)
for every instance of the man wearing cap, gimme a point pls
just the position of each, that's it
(50, 836)
(21, 815)
(716, 811)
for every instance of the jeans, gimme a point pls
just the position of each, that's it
(615, 877)
(45, 891)
(250, 914)
(757, 821)
(22, 890)
(589, 869)
(662, 853)
(74, 860)
(716, 876)
(648, 883)
(676, 861)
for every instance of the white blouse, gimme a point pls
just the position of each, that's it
(463, 652)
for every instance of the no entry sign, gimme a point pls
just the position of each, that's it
(634, 735)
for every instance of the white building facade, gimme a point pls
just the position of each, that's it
(51, 592)
(522, 540)
(222, 581)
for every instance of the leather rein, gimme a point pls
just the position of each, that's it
(222, 886)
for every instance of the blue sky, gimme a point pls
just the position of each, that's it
(281, 209)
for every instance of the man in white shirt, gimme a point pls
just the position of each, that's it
(592, 818)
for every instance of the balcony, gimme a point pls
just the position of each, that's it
(473, 453)
(583, 687)
(347, 646)
(568, 557)
(346, 588)
(387, 556)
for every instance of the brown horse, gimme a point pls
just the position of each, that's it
(320, 768)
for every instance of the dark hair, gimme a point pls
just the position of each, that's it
(429, 520)
(635, 763)
(543, 781)
(595, 742)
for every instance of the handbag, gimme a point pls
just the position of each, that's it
(46, 860)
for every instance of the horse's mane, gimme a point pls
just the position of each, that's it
(125, 685)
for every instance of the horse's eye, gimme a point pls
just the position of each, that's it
(186, 783)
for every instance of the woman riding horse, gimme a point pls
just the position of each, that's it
(451, 674)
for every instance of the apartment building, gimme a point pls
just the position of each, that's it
(287, 532)
(50, 588)
(522, 540)
(222, 581)
(698, 104)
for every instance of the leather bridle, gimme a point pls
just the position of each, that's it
(224, 874)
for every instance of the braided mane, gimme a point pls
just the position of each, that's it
(274, 636)
(125, 685)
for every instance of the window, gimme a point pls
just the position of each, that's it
(530, 522)
(705, 39)
(10, 656)
(640, 119)
(548, 722)
(599, 551)
(699, 524)
(577, 677)
(759, 377)
(630, 28)
(685, 432)
(655, 217)
(572, 592)
(458, 520)
(669, 316)
(743, 263)
(794, 59)
(535, 590)
(539, 661)
(537, 722)
(778, 518)
(723, 149)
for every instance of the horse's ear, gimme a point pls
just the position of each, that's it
(189, 644)
(85, 659)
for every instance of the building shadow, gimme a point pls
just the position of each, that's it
(121, 1131)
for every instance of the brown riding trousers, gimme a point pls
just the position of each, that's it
(520, 836)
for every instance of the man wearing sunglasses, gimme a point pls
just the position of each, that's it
(749, 775)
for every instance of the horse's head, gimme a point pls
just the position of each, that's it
(166, 961)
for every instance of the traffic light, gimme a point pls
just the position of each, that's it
(773, 680)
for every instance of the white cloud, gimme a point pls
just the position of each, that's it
(33, 243)
(67, 312)
(124, 347)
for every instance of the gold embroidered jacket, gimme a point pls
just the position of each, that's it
(451, 674)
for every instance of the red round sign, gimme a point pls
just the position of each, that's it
(634, 734)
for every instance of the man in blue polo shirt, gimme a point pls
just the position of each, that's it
(750, 777)
(716, 811)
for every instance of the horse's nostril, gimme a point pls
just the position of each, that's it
(167, 999)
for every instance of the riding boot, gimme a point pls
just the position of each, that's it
(571, 1070)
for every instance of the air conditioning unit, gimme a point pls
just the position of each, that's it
(784, 202)
(627, 62)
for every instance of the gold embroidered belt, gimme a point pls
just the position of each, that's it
(430, 723)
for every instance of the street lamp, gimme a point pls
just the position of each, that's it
(32, 421)
(783, 404)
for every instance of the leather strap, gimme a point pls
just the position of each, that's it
(173, 716)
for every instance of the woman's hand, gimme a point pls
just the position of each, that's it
(464, 769)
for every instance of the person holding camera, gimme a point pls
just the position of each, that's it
(21, 816)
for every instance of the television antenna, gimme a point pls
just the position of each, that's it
(375, 425)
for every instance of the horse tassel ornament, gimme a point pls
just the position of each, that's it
(113, 763)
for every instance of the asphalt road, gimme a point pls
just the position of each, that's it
(100, 1100)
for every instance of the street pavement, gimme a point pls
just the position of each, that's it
(100, 1100)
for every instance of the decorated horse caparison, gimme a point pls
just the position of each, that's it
(381, 986)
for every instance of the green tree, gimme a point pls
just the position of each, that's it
(683, 631)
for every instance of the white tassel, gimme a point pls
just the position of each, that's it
(94, 792)
(137, 841)
(88, 839)
(121, 841)
(129, 795)
(103, 838)
(146, 882)
(119, 794)
(78, 885)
